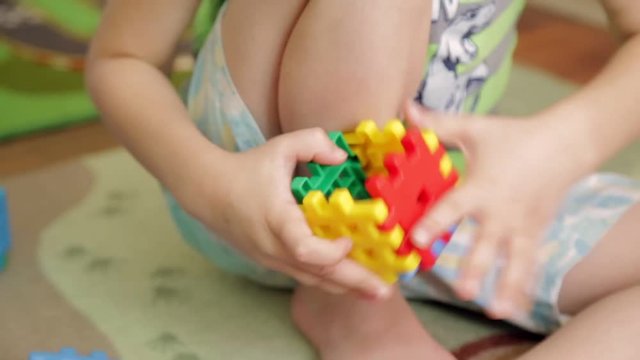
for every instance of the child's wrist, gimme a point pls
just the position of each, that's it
(201, 182)
(574, 138)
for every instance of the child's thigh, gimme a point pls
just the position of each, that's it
(255, 34)
(610, 267)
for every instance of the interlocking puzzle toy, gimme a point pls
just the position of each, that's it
(341, 216)
(391, 178)
(5, 232)
(417, 179)
(67, 354)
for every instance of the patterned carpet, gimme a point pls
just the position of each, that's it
(107, 270)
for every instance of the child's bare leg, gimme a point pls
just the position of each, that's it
(345, 61)
(346, 327)
(603, 292)
(340, 327)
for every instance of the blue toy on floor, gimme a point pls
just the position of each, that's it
(5, 233)
(67, 354)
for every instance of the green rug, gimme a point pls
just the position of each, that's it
(42, 47)
(41, 58)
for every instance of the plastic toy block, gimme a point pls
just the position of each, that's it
(415, 182)
(338, 138)
(430, 254)
(5, 232)
(386, 263)
(371, 144)
(67, 354)
(342, 216)
(433, 144)
(327, 178)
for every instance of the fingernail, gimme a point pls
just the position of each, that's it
(470, 288)
(420, 238)
(503, 308)
(347, 243)
(383, 292)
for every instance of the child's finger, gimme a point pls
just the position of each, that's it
(514, 277)
(449, 130)
(332, 288)
(447, 212)
(294, 233)
(300, 276)
(305, 278)
(313, 145)
(478, 262)
(353, 276)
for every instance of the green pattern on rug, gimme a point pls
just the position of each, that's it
(38, 96)
(34, 97)
(42, 87)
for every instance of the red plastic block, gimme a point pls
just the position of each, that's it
(428, 255)
(413, 185)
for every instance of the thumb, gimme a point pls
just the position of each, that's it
(450, 129)
(314, 145)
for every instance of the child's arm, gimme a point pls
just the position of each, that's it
(520, 170)
(350, 60)
(127, 62)
(605, 114)
(134, 44)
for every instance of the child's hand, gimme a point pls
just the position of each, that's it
(518, 171)
(253, 208)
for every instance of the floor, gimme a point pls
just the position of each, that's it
(572, 49)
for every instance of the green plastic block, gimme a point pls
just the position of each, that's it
(327, 178)
(338, 139)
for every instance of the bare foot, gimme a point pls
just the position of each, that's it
(344, 327)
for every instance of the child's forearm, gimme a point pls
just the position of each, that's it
(349, 60)
(143, 110)
(603, 117)
(135, 97)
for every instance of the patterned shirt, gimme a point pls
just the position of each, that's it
(469, 54)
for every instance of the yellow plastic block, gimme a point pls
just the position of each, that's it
(446, 165)
(341, 216)
(433, 144)
(431, 140)
(371, 144)
(385, 262)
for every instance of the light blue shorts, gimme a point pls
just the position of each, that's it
(590, 209)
